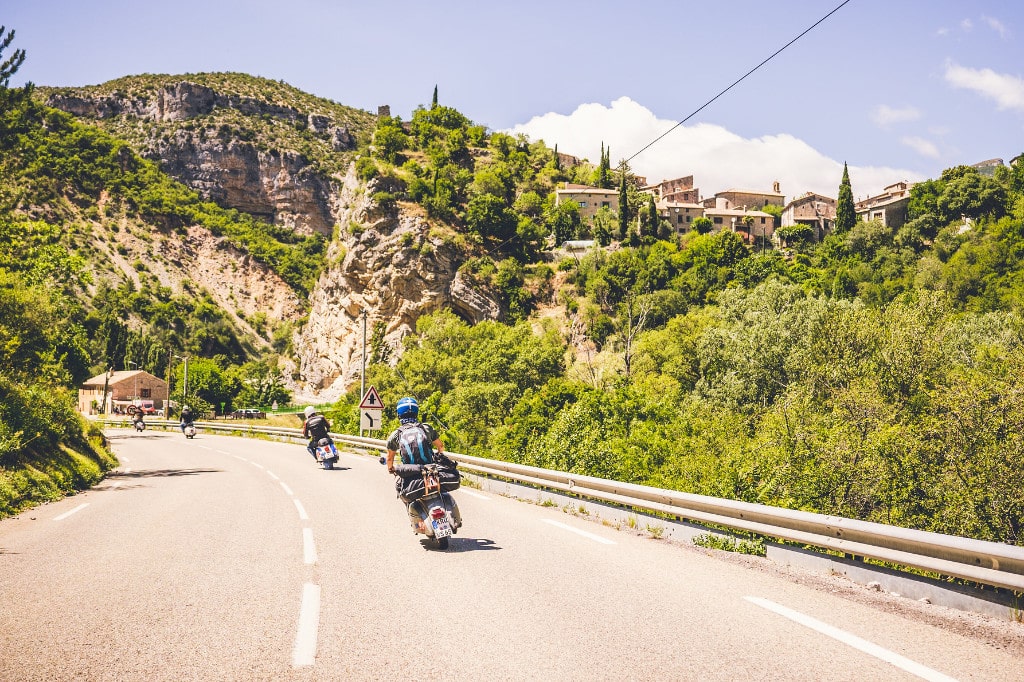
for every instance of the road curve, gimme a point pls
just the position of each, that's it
(224, 558)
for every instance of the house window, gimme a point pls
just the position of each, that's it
(718, 220)
(762, 221)
(606, 204)
(583, 204)
(679, 219)
(146, 393)
(689, 218)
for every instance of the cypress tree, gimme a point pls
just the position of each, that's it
(846, 216)
(652, 217)
(623, 208)
(558, 162)
(433, 102)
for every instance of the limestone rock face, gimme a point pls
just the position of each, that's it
(395, 271)
(279, 186)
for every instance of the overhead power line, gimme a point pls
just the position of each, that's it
(737, 81)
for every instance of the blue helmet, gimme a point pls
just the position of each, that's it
(408, 408)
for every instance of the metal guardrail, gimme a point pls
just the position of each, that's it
(988, 563)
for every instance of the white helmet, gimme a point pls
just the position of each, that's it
(309, 411)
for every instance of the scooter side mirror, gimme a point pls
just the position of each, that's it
(383, 459)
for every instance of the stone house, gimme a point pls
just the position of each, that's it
(889, 207)
(589, 199)
(753, 226)
(746, 199)
(678, 214)
(677, 191)
(815, 210)
(115, 391)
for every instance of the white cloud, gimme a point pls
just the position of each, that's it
(1006, 90)
(997, 26)
(942, 32)
(884, 116)
(717, 158)
(967, 24)
(922, 146)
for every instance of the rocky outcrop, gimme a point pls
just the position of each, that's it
(392, 268)
(279, 187)
(276, 185)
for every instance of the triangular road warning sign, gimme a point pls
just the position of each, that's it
(371, 400)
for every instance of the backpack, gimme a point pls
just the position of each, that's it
(413, 445)
(316, 427)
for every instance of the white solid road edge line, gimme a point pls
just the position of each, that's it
(308, 546)
(304, 652)
(476, 495)
(69, 513)
(595, 538)
(856, 642)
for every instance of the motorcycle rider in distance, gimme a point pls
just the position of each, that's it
(314, 428)
(186, 417)
(137, 418)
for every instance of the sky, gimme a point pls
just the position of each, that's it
(897, 89)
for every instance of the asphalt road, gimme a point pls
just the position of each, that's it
(224, 558)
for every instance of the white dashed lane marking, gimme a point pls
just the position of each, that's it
(591, 536)
(304, 652)
(308, 546)
(302, 510)
(69, 513)
(856, 642)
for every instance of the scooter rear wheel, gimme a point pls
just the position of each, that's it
(442, 543)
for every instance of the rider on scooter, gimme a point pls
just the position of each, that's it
(314, 428)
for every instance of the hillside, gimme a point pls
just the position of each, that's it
(875, 374)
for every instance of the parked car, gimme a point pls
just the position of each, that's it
(248, 414)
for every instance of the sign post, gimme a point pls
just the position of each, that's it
(371, 411)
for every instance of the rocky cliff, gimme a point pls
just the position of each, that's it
(252, 153)
(394, 266)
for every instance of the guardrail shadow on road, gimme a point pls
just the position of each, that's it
(162, 473)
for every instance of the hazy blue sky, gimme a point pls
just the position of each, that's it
(900, 89)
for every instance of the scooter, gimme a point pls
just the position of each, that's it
(190, 430)
(139, 425)
(432, 510)
(326, 453)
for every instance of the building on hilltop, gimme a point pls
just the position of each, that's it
(680, 215)
(753, 226)
(746, 199)
(676, 191)
(889, 207)
(814, 210)
(589, 199)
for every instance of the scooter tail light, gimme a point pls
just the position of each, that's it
(436, 513)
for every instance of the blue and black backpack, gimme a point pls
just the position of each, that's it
(414, 446)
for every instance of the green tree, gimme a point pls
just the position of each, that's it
(433, 100)
(702, 225)
(625, 215)
(564, 221)
(845, 214)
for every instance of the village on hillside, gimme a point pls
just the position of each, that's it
(679, 202)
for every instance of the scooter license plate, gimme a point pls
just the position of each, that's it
(441, 528)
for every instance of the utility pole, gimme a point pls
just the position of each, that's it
(362, 371)
(184, 391)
